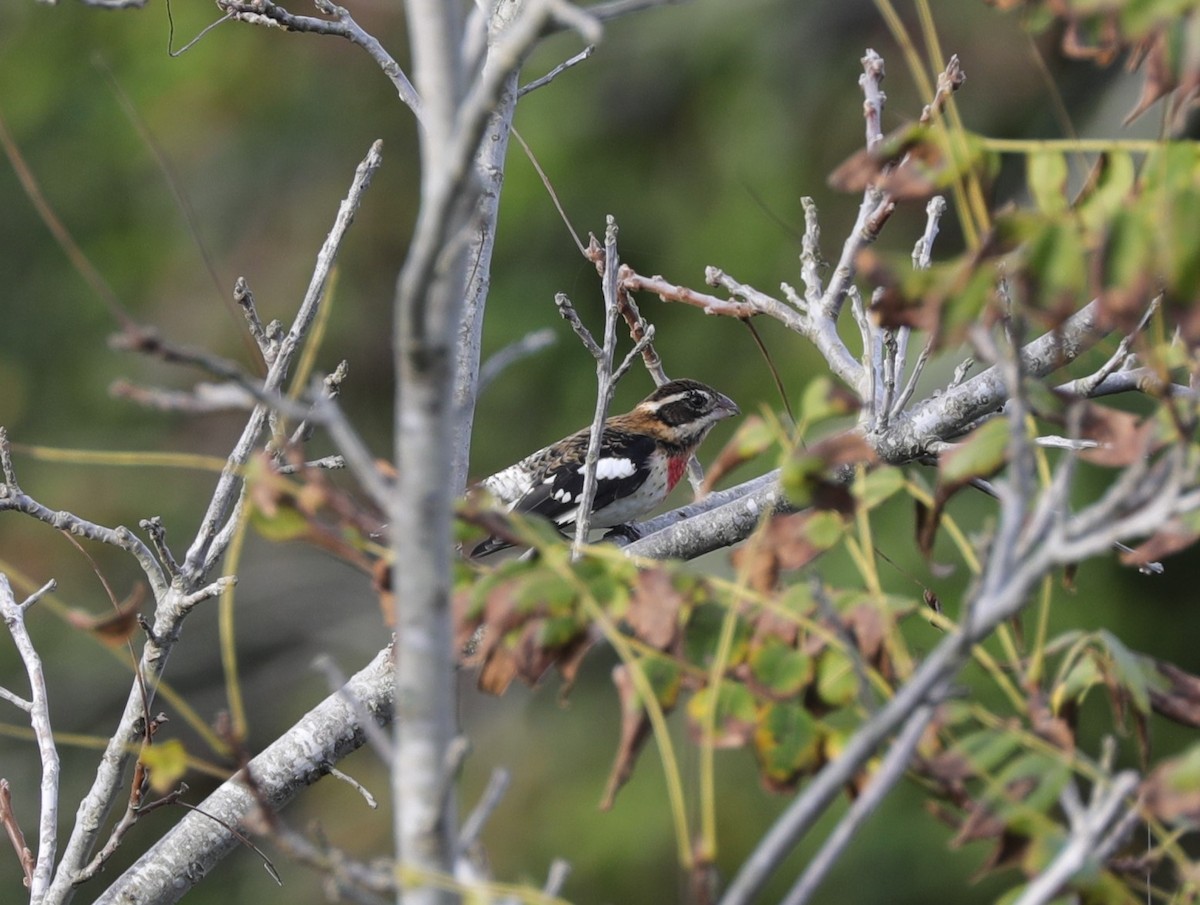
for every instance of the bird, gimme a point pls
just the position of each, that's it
(643, 454)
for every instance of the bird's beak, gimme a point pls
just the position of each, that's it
(727, 406)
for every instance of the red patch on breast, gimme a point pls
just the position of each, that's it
(675, 468)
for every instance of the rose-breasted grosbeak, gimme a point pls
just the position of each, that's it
(643, 454)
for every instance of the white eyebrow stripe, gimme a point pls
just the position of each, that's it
(612, 468)
(656, 404)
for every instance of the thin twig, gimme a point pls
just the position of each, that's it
(890, 772)
(265, 12)
(557, 71)
(227, 487)
(1096, 832)
(604, 389)
(568, 313)
(528, 345)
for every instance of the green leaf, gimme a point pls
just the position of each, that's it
(735, 713)
(986, 749)
(702, 634)
(608, 580)
(780, 668)
(1082, 677)
(558, 631)
(1027, 788)
(284, 524)
(1180, 254)
(1127, 669)
(545, 590)
(1055, 260)
(787, 741)
(1046, 172)
(754, 437)
(665, 677)
(1128, 259)
(1111, 191)
(824, 529)
(980, 454)
(879, 485)
(797, 478)
(837, 682)
(822, 400)
(167, 762)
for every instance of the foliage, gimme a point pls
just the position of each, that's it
(876, 619)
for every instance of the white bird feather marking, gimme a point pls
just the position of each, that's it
(612, 468)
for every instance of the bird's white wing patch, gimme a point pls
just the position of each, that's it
(510, 485)
(612, 468)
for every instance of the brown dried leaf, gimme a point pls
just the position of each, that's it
(846, 448)
(1160, 79)
(1124, 437)
(1102, 52)
(635, 729)
(903, 166)
(114, 628)
(654, 607)
(1053, 729)
(1010, 851)
(1179, 700)
(499, 669)
(1171, 792)
(783, 546)
(950, 770)
(769, 624)
(381, 583)
(1171, 538)
(870, 629)
(570, 659)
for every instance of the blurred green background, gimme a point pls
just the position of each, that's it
(699, 126)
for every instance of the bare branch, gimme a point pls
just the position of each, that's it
(528, 345)
(227, 487)
(606, 383)
(342, 25)
(39, 720)
(1095, 834)
(890, 772)
(557, 71)
(192, 847)
(8, 819)
(568, 313)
